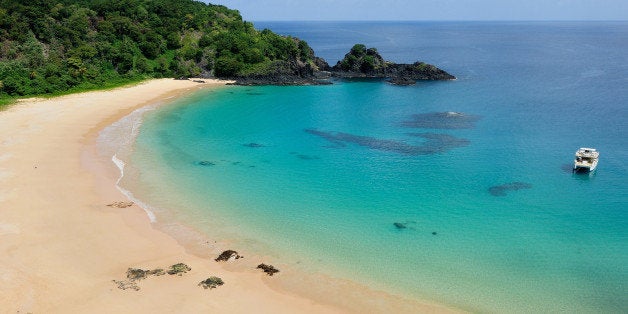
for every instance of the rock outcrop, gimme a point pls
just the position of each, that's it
(362, 62)
(227, 255)
(211, 282)
(268, 269)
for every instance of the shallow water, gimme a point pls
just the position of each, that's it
(459, 192)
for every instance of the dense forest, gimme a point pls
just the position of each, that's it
(52, 46)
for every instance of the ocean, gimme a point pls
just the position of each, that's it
(459, 192)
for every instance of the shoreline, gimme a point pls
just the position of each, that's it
(61, 245)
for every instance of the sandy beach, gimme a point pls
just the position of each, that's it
(61, 246)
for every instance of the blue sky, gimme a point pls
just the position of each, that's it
(279, 10)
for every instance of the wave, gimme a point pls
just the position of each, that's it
(121, 164)
(117, 140)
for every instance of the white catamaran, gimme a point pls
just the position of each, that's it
(586, 160)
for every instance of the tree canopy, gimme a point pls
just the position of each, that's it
(50, 46)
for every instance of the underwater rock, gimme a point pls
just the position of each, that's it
(205, 163)
(434, 144)
(211, 282)
(500, 190)
(179, 269)
(402, 81)
(268, 269)
(121, 204)
(442, 120)
(434, 233)
(400, 225)
(254, 145)
(226, 255)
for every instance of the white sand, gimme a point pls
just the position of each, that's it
(61, 246)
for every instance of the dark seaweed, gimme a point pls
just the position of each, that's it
(436, 143)
(500, 190)
(205, 163)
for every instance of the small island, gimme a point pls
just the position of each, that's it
(359, 62)
(368, 63)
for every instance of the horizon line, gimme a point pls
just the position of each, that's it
(431, 21)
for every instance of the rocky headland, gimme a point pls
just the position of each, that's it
(359, 62)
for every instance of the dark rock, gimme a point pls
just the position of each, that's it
(434, 233)
(211, 283)
(198, 81)
(136, 274)
(268, 269)
(402, 81)
(400, 225)
(226, 255)
(179, 269)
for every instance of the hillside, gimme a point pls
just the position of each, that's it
(59, 45)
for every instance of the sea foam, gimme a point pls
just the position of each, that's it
(117, 140)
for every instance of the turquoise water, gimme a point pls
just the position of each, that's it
(459, 192)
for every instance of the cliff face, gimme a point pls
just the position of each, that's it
(294, 71)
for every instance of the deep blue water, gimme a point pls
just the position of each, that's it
(387, 186)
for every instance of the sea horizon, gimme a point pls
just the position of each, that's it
(425, 191)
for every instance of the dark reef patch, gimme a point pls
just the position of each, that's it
(254, 145)
(500, 190)
(404, 225)
(400, 225)
(439, 143)
(435, 143)
(205, 163)
(441, 120)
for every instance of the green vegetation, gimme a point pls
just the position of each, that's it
(360, 59)
(58, 46)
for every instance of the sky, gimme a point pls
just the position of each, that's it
(427, 10)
